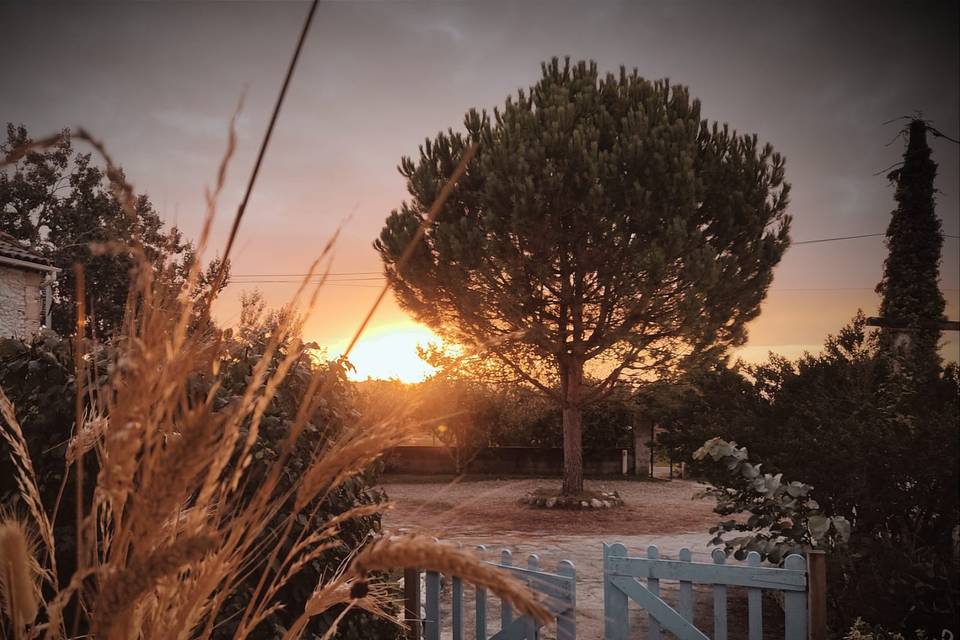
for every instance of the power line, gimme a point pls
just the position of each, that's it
(310, 279)
(297, 282)
(775, 289)
(374, 286)
(380, 275)
(337, 278)
(300, 275)
(865, 235)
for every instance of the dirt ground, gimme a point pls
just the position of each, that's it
(488, 506)
(656, 513)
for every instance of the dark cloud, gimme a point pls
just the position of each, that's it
(158, 81)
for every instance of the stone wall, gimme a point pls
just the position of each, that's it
(20, 304)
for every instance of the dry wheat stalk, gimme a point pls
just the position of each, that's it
(26, 478)
(423, 553)
(86, 438)
(120, 591)
(350, 455)
(19, 575)
(174, 536)
(340, 590)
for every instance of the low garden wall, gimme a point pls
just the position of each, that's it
(522, 461)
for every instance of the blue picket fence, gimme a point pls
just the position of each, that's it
(626, 579)
(621, 585)
(557, 590)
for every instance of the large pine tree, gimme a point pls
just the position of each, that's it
(911, 273)
(602, 230)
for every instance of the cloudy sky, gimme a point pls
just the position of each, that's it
(158, 81)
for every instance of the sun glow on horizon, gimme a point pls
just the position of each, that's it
(390, 352)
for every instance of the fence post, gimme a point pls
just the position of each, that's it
(754, 603)
(480, 617)
(616, 625)
(795, 603)
(506, 611)
(567, 621)
(431, 622)
(719, 600)
(685, 602)
(533, 632)
(411, 602)
(817, 594)
(653, 586)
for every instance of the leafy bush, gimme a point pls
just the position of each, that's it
(527, 419)
(702, 403)
(195, 506)
(881, 454)
(784, 518)
(38, 378)
(478, 414)
(863, 631)
(244, 349)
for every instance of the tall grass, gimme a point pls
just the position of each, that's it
(177, 522)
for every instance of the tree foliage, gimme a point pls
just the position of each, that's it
(243, 350)
(461, 413)
(886, 460)
(873, 422)
(602, 221)
(514, 414)
(864, 631)
(784, 517)
(911, 273)
(59, 203)
(38, 378)
(699, 404)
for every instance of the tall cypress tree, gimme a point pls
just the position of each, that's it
(911, 272)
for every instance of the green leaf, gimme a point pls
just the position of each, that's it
(818, 526)
(842, 527)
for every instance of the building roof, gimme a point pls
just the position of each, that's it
(21, 256)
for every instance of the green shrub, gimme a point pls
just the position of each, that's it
(863, 631)
(38, 378)
(877, 452)
(244, 348)
(784, 517)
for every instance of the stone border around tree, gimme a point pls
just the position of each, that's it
(602, 500)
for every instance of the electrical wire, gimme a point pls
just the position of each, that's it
(865, 235)
(293, 275)
(338, 278)
(818, 240)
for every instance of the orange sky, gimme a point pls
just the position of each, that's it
(158, 82)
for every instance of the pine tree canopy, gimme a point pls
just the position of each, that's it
(601, 219)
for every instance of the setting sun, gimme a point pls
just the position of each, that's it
(390, 352)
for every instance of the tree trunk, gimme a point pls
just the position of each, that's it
(572, 430)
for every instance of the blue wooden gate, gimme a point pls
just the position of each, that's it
(558, 591)
(621, 585)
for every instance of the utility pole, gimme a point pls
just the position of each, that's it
(901, 325)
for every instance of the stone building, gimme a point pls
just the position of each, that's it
(26, 279)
